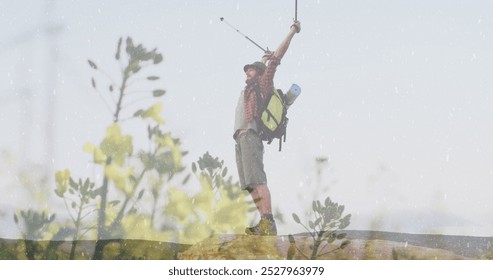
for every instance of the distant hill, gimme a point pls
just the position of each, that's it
(467, 246)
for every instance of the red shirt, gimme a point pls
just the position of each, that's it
(265, 84)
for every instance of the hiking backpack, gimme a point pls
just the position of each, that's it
(272, 121)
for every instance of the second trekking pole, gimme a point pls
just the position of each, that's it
(246, 37)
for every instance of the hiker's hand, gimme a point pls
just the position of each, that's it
(297, 26)
(267, 55)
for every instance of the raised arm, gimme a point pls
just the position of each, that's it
(273, 60)
(283, 47)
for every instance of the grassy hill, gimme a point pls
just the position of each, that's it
(364, 245)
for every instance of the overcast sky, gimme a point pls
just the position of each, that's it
(395, 94)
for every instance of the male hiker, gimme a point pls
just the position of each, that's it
(249, 146)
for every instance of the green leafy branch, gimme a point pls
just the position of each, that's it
(116, 149)
(81, 197)
(328, 219)
(212, 168)
(136, 58)
(215, 173)
(35, 225)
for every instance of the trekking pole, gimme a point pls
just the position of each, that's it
(246, 37)
(295, 10)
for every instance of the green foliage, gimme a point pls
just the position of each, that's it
(208, 163)
(135, 59)
(6, 253)
(122, 249)
(34, 225)
(214, 171)
(80, 201)
(328, 219)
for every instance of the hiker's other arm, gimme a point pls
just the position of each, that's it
(283, 47)
(274, 59)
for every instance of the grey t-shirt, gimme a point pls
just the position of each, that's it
(240, 122)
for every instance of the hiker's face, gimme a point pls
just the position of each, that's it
(251, 73)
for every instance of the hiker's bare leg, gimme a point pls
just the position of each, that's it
(266, 226)
(261, 198)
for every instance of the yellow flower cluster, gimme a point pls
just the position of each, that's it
(114, 145)
(120, 178)
(62, 178)
(153, 113)
(117, 147)
(140, 227)
(98, 155)
(206, 212)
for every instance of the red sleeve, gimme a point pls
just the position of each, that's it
(267, 80)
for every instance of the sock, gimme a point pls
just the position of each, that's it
(268, 217)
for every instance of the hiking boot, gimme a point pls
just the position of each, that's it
(264, 227)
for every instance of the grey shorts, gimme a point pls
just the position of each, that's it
(250, 160)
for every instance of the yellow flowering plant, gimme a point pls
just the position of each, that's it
(131, 175)
(218, 208)
(134, 197)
